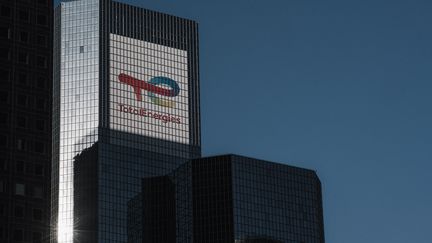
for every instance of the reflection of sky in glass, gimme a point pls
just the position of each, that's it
(78, 99)
(276, 202)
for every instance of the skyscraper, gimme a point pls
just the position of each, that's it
(25, 119)
(126, 106)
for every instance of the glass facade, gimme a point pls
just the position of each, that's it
(237, 199)
(126, 107)
(76, 101)
(275, 201)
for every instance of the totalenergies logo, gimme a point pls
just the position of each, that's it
(153, 88)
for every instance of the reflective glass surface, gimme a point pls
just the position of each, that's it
(76, 100)
(276, 202)
(126, 107)
(238, 199)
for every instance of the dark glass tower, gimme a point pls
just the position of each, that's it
(25, 119)
(234, 199)
(126, 107)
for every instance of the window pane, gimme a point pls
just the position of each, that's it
(19, 189)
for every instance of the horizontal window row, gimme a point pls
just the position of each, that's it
(23, 78)
(19, 235)
(22, 121)
(23, 36)
(21, 167)
(25, 15)
(22, 189)
(25, 101)
(20, 211)
(23, 57)
(23, 145)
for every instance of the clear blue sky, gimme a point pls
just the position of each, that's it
(342, 87)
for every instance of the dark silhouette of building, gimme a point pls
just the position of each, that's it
(258, 239)
(232, 198)
(25, 119)
(85, 199)
(158, 210)
(152, 214)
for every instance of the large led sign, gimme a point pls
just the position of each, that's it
(148, 89)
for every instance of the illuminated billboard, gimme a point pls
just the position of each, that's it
(148, 89)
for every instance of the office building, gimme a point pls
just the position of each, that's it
(126, 135)
(25, 119)
(230, 198)
(126, 107)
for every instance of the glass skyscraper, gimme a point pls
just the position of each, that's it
(126, 107)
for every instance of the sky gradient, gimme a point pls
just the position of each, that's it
(341, 87)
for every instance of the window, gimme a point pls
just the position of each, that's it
(4, 97)
(24, 36)
(41, 82)
(39, 147)
(4, 53)
(19, 166)
(18, 235)
(2, 210)
(41, 61)
(3, 164)
(23, 57)
(21, 144)
(19, 189)
(19, 211)
(39, 170)
(23, 15)
(3, 118)
(3, 141)
(21, 121)
(37, 214)
(37, 236)
(5, 11)
(22, 100)
(41, 19)
(2, 189)
(4, 75)
(81, 49)
(38, 192)
(41, 40)
(22, 78)
(40, 125)
(5, 33)
(40, 104)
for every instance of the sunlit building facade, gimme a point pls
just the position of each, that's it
(126, 107)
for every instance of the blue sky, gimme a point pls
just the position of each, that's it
(341, 87)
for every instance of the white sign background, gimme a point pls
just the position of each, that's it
(144, 61)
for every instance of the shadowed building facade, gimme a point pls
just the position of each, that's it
(237, 199)
(25, 119)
